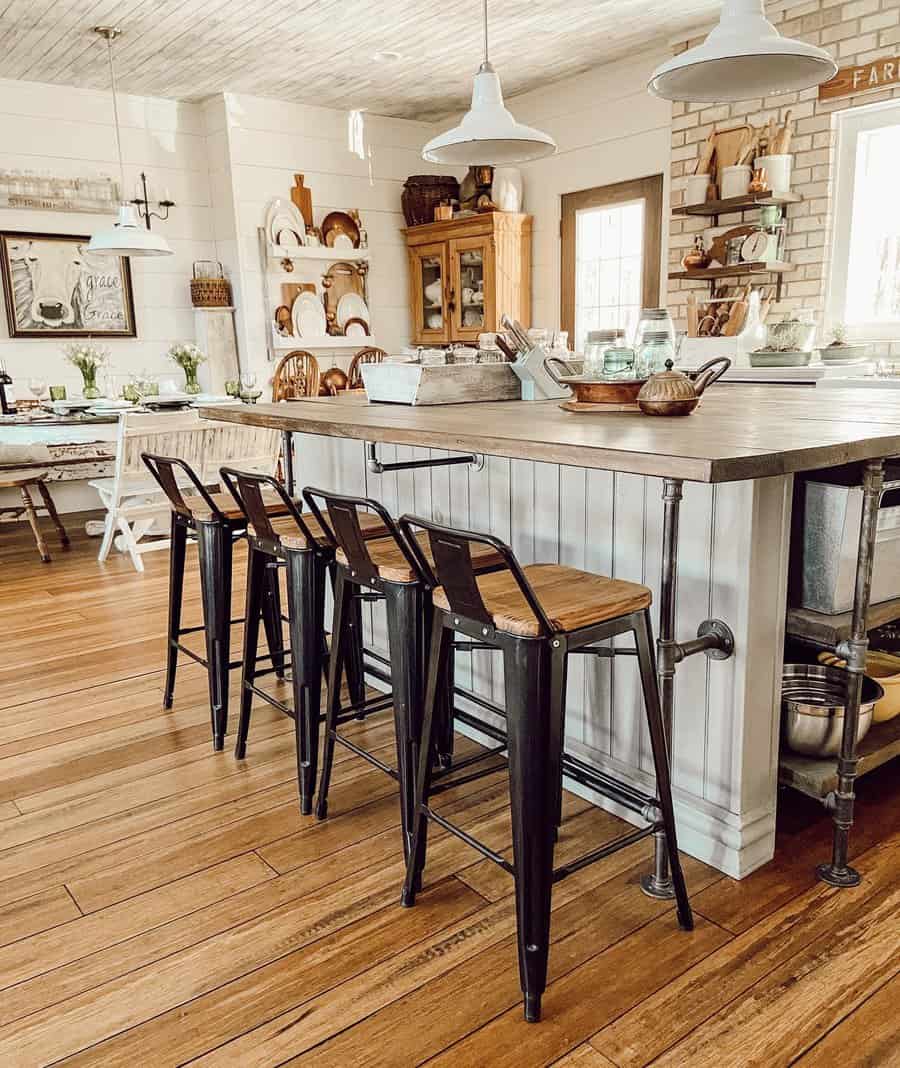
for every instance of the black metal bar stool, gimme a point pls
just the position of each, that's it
(536, 615)
(307, 555)
(215, 523)
(384, 568)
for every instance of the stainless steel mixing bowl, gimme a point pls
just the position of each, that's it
(812, 701)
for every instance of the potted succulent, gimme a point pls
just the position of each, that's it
(88, 359)
(188, 357)
(839, 349)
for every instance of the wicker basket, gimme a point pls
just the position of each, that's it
(423, 192)
(209, 286)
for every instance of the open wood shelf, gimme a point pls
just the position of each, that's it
(817, 776)
(735, 270)
(828, 630)
(316, 252)
(742, 203)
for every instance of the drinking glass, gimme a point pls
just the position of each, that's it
(58, 393)
(37, 387)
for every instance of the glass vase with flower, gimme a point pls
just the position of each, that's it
(88, 359)
(188, 357)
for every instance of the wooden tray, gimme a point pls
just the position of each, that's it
(413, 383)
(598, 408)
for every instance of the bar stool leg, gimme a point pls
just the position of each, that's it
(405, 642)
(215, 553)
(306, 572)
(256, 579)
(534, 717)
(356, 680)
(176, 597)
(271, 614)
(439, 661)
(343, 592)
(646, 663)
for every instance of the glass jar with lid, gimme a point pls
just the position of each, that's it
(656, 347)
(654, 320)
(598, 341)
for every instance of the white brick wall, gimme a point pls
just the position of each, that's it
(855, 32)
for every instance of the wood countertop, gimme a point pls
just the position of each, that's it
(738, 433)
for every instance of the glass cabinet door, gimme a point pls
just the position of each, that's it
(428, 270)
(472, 287)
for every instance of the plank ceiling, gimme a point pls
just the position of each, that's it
(320, 51)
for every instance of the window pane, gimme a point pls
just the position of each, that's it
(873, 269)
(608, 268)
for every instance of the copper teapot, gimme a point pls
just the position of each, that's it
(671, 392)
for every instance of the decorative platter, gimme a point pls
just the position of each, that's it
(308, 316)
(351, 306)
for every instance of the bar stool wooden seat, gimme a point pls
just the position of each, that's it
(537, 616)
(215, 523)
(306, 551)
(390, 569)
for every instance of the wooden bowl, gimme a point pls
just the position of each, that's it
(602, 391)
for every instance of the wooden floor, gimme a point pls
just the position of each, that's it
(162, 905)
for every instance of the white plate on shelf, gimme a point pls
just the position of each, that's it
(352, 306)
(284, 224)
(343, 241)
(308, 316)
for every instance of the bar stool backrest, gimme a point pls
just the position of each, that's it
(453, 570)
(175, 475)
(247, 489)
(346, 532)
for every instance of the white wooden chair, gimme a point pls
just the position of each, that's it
(135, 505)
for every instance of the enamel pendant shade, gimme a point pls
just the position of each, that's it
(743, 58)
(488, 133)
(129, 237)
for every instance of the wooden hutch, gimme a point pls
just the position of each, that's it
(465, 273)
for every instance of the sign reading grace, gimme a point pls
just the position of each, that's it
(852, 80)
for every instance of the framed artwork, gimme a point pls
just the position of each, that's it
(54, 287)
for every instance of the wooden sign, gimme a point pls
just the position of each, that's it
(852, 80)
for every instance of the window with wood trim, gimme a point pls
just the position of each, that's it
(610, 256)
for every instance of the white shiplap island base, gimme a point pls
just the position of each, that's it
(587, 491)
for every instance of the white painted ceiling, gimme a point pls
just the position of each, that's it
(320, 51)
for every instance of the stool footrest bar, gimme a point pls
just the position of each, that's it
(469, 840)
(604, 851)
(280, 705)
(365, 754)
(448, 784)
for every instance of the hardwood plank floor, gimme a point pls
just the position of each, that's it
(161, 904)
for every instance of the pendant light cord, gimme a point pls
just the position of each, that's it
(112, 80)
(486, 60)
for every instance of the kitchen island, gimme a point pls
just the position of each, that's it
(705, 500)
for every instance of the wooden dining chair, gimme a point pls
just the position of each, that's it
(29, 474)
(297, 375)
(370, 355)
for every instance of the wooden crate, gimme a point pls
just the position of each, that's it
(413, 383)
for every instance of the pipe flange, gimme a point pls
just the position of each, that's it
(725, 647)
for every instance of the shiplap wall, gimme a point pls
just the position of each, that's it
(732, 541)
(268, 142)
(70, 132)
(608, 129)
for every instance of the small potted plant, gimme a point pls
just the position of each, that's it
(839, 349)
(188, 357)
(88, 359)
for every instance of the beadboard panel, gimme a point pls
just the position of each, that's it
(732, 540)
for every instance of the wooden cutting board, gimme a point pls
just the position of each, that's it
(728, 143)
(302, 198)
(719, 246)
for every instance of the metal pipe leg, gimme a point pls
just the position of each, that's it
(214, 553)
(838, 872)
(659, 882)
(176, 596)
(287, 449)
(306, 602)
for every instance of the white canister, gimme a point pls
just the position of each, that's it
(778, 171)
(696, 189)
(506, 189)
(735, 181)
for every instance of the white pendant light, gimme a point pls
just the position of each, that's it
(743, 58)
(128, 236)
(488, 133)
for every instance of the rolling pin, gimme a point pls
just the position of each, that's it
(693, 320)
